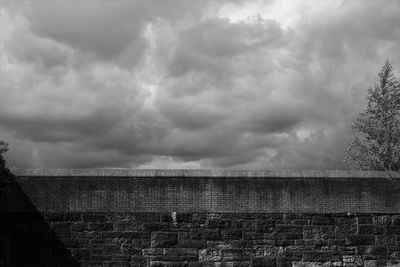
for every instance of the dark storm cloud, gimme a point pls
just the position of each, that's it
(278, 121)
(194, 117)
(106, 29)
(112, 30)
(54, 130)
(191, 84)
(209, 45)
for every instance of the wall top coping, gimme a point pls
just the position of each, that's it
(217, 173)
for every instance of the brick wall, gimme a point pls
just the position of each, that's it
(201, 218)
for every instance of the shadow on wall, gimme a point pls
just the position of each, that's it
(26, 239)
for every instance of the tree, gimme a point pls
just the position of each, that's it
(3, 150)
(5, 174)
(376, 144)
(7, 181)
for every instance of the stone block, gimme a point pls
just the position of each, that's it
(99, 226)
(80, 254)
(184, 217)
(210, 255)
(346, 225)
(378, 251)
(199, 218)
(265, 226)
(121, 257)
(181, 254)
(110, 248)
(330, 229)
(146, 216)
(229, 234)
(292, 236)
(167, 264)
(140, 242)
(283, 243)
(254, 252)
(343, 250)
(130, 249)
(166, 217)
(293, 251)
(205, 233)
(360, 240)
(358, 260)
(237, 243)
(370, 263)
(249, 225)
(218, 223)
(233, 255)
(164, 239)
(372, 252)
(322, 220)
(385, 240)
(366, 229)
(138, 261)
(154, 226)
(393, 230)
(201, 264)
(393, 263)
(184, 235)
(300, 222)
(309, 231)
(92, 234)
(262, 262)
(284, 262)
(192, 243)
(367, 219)
(348, 258)
(252, 235)
(136, 234)
(78, 226)
(91, 217)
(383, 220)
(316, 255)
(289, 228)
(336, 242)
(299, 264)
(111, 234)
(152, 251)
(118, 264)
(126, 226)
(72, 216)
(396, 220)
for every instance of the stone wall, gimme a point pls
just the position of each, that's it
(219, 239)
(201, 218)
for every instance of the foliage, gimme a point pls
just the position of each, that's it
(5, 174)
(376, 145)
(3, 150)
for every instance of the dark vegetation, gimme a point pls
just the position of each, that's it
(26, 238)
(376, 143)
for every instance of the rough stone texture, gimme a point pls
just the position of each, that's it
(209, 243)
(201, 219)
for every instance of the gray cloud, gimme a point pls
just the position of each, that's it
(105, 29)
(214, 44)
(188, 84)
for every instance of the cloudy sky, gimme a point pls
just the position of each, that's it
(188, 83)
